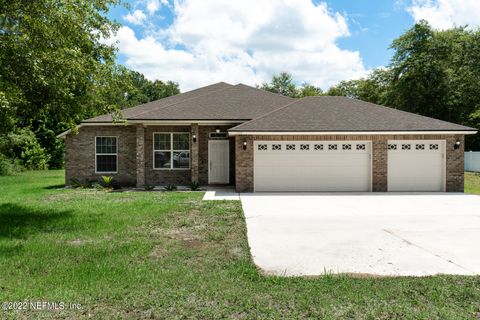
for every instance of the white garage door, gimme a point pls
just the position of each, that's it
(416, 165)
(312, 166)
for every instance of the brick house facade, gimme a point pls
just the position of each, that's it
(244, 116)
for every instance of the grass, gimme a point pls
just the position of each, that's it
(472, 182)
(171, 255)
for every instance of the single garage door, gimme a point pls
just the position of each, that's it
(312, 166)
(416, 165)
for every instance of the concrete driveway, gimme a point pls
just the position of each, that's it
(381, 234)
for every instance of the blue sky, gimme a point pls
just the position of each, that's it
(197, 42)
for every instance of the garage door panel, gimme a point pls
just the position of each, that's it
(416, 170)
(312, 170)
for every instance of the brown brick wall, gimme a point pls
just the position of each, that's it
(455, 164)
(80, 154)
(454, 158)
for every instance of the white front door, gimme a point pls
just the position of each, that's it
(218, 162)
(416, 165)
(312, 166)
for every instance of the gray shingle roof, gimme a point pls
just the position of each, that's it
(220, 101)
(316, 114)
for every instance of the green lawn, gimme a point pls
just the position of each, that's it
(472, 182)
(170, 255)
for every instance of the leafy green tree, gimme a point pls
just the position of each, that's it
(308, 90)
(55, 70)
(436, 73)
(284, 84)
(372, 88)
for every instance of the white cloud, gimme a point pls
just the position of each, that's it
(154, 5)
(444, 14)
(244, 41)
(137, 17)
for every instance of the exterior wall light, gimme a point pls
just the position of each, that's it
(217, 130)
(456, 145)
(194, 137)
(244, 145)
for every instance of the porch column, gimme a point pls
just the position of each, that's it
(140, 155)
(194, 155)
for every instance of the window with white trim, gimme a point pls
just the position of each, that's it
(106, 155)
(171, 151)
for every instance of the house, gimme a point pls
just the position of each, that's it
(260, 141)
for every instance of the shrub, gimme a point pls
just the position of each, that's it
(8, 166)
(76, 183)
(107, 181)
(23, 145)
(170, 187)
(148, 187)
(194, 185)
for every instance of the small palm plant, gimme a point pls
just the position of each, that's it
(194, 185)
(107, 181)
(170, 187)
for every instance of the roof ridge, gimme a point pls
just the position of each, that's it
(268, 113)
(188, 99)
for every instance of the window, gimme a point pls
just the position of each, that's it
(218, 135)
(262, 147)
(276, 147)
(434, 146)
(406, 147)
(171, 150)
(318, 147)
(106, 154)
(290, 147)
(360, 146)
(419, 147)
(346, 147)
(304, 147)
(392, 147)
(332, 147)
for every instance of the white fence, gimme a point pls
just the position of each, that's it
(472, 161)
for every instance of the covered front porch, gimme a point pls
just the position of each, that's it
(180, 154)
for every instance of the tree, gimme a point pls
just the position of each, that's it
(436, 74)
(372, 88)
(308, 90)
(55, 70)
(284, 84)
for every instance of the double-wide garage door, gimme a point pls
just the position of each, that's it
(312, 165)
(413, 165)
